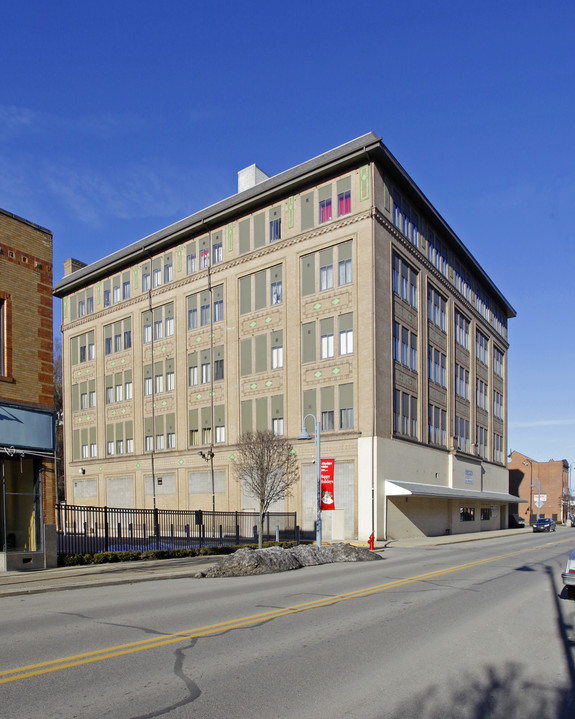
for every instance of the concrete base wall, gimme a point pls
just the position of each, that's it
(21, 561)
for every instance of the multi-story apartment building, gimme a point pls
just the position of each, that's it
(542, 487)
(333, 289)
(27, 494)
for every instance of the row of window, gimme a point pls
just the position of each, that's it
(404, 414)
(320, 270)
(404, 346)
(326, 330)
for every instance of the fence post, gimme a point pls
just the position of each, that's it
(157, 527)
(106, 529)
(237, 531)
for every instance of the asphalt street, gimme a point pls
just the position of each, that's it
(475, 629)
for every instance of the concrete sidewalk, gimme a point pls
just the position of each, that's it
(92, 575)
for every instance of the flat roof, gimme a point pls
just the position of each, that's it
(368, 146)
(401, 489)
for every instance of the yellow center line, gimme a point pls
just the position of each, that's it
(55, 665)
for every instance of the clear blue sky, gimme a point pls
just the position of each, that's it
(118, 118)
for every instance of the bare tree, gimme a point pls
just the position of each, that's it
(266, 466)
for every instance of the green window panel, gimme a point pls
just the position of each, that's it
(76, 444)
(324, 193)
(74, 356)
(345, 321)
(344, 251)
(308, 342)
(308, 275)
(309, 407)
(246, 357)
(219, 415)
(75, 397)
(244, 239)
(327, 399)
(343, 185)
(261, 352)
(245, 295)
(193, 420)
(206, 417)
(262, 414)
(307, 211)
(277, 338)
(246, 416)
(277, 406)
(259, 230)
(260, 290)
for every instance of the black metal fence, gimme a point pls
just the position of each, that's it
(86, 530)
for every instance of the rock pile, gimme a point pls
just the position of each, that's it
(246, 562)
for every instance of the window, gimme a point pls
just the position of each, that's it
(119, 446)
(498, 362)
(160, 442)
(147, 336)
(92, 398)
(405, 346)
(325, 210)
(328, 420)
(108, 345)
(107, 298)
(170, 381)
(168, 270)
(157, 277)
(462, 433)
(93, 450)
(118, 342)
(85, 451)
(218, 310)
(217, 252)
(145, 280)
(481, 347)
(344, 272)
(436, 417)
(437, 366)
(130, 446)
(159, 381)
(404, 281)
(116, 296)
(171, 440)
(461, 330)
(127, 339)
(192, 376)
(346, 418)
(481, 388)
(147, 386)
(467, 514)
(149, 443)
(204, 259)
(89, 305)
(81, 308)
(481, 441)
(220, 434)
(327, 346)
(404, 414)
(413, 354)
(191, 262)
(461, 382)
(109, 394)
(278, 426)
(206, 374)
(276, 292)
(326, 277)
(205, 314)
(436, 308)
(218, 370)
(192, 318)
(110, 447)
(396, 334)
(277, 357)
(346, 342)
(119, 393)
(344, 203)
(158, 329)
(275, 229)
(485, 513)
(497, 404)
(498, 448)
(128, 390)
(126, 290)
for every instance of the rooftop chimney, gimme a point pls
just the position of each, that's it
(72, 265)
(250, 177)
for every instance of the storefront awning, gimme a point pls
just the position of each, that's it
(24, 428)
(397, 489)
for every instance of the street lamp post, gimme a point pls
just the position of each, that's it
(304, 434)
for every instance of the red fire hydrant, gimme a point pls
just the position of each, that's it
(371, 541)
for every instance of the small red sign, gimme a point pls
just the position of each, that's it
(327, 495)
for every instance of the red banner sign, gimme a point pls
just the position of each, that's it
(327, 495)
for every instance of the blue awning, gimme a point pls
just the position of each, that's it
(25, 428)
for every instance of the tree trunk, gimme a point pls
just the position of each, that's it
(261, 527)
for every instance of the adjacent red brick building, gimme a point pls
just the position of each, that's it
(546, 483)
(27, 493)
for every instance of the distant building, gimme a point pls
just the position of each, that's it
(539, 483)
(334, 289)
(27, 520)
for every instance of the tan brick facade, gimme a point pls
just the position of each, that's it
(294, 315)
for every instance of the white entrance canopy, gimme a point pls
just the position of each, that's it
(403, 489)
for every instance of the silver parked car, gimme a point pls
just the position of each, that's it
(568, 575)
